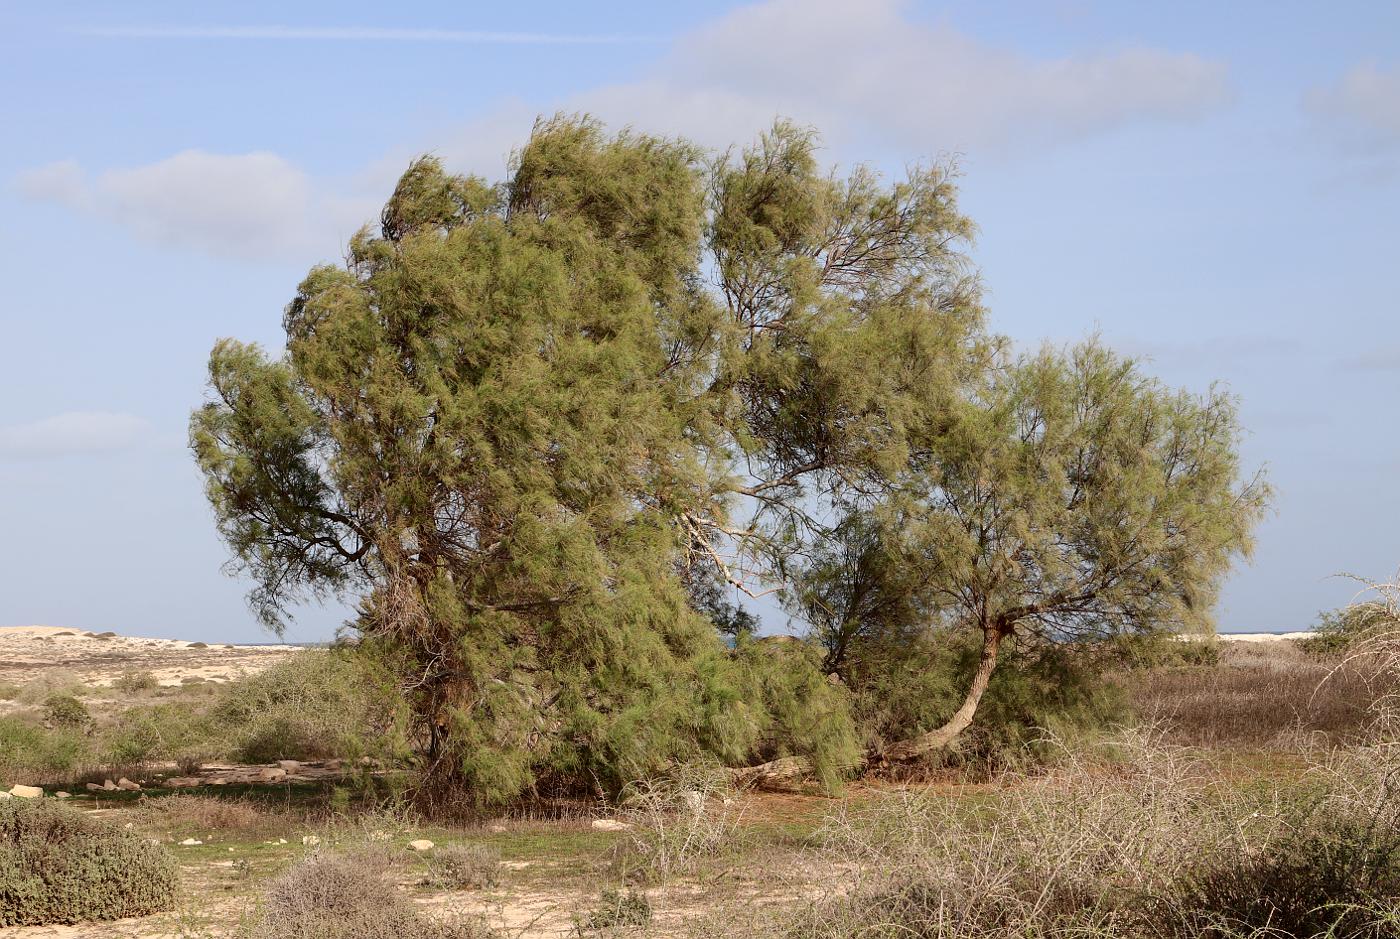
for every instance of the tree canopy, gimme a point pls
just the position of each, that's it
(538, 428)
(1069, 499)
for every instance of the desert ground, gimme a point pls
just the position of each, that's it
(1253, 719)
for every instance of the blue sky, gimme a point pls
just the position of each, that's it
(1215, 187)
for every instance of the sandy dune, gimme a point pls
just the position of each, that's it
(98, 659)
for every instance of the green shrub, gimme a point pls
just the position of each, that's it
(168, 731)
(1337, 631)
(316, 704)
(1163, 650)
(64, 710)
(35, 753)
(135, 682)
(802, 713)
(58, 866)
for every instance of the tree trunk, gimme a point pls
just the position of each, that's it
(937, 739)
(784, 773)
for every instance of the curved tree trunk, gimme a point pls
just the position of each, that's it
(784, 773)
(937, 739)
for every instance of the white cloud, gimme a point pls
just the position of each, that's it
(248, 205)
(875, 71)
(71, 432)
(1362, 109)
(869, 76)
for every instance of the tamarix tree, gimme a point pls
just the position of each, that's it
(531, 426)
(1068, 500)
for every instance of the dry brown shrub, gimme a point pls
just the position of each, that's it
(183, 811)
(348, 896)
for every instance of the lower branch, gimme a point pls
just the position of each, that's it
(785, 772)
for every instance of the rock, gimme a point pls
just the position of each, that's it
(310, 840)
(182, 782)
(217, 781)
(190, 842)
(334, 764)
(290, 766)
(128, 785)
(94, 787)
(108, 785)
(610, 824)
(694, 800)
(421, 844)
(60, 794)
(5, 795)
(272, 775)
(26, 792)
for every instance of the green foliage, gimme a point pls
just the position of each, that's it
(63, 710)
(317, 704)
(1338, 631)
(135, 682)
(1325, 880)
(517, 418)
(801, 712)
(1162, 650)
(30, 752)
(1067, 500)
(172, 730)
(916, 688)
(57, 866)
(521, 427)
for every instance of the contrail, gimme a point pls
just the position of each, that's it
(355, 34)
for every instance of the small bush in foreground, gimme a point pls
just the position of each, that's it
(463, 867)
(347, 896)
(679, 819)
(56, 866)
(1327, 882)
(617, 908)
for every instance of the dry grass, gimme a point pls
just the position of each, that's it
(1261, 694)
(677, 821)
(184, 812)
(1141, 841)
